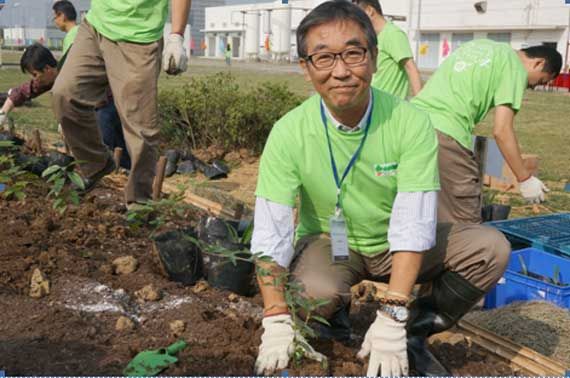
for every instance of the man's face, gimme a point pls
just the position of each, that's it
(342, 86)
(536, 74)
(538, 78)
(45, 77)
(59, 20)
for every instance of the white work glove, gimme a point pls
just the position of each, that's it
(174, 58)
(277, 345)
(386, 344)
(533, 190)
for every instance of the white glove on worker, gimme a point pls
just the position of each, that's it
(277, 345)
(533, 190)
(386, 344)
(174, 58)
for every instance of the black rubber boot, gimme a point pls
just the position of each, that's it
(452, 297)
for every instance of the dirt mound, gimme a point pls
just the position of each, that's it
(72, 330)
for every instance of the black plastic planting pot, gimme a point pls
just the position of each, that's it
(495, 212)
(220, 270)
(223, 274)
(179, 256)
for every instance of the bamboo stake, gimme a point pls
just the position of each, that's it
(37, 141)
(159, 178)
(117, 154)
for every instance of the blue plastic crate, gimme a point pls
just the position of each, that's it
(549, 233)
(515, 286)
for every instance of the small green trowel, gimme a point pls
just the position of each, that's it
(151, 362)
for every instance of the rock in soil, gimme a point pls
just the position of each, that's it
(39, 286)
(125, 265)
(177, 327)
(124, 324)
(148, 294)
(200, 287)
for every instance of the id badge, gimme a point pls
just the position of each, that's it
(339, 238)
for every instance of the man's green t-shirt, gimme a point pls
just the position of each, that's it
(480, 75)
(69, 38)
(400, 155)
(139, 21)
(393, 47)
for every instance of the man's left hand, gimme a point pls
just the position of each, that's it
(174, 59)
(385, 342)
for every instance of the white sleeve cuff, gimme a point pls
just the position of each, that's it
(273, 231)
(413, 222)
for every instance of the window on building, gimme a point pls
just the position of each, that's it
(500, 37)
(429, 51)
(457, 39)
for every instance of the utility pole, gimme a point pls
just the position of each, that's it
(418, 30)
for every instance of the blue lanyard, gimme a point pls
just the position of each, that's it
(352, 161)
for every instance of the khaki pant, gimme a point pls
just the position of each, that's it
(459, 200)
(131, 71)
(477, 253)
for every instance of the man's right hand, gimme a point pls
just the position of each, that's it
(278, 345)
(533, 190)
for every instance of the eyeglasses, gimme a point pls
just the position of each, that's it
(326, 60)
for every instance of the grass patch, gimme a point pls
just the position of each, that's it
(542, 128)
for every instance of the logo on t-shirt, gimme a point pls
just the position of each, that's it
(387, 169)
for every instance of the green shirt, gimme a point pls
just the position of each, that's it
(480, 75)
(69, 38)
(393, 47)
(139, 21)
(400, 155)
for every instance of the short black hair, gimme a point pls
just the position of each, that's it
(67, 8)
(37, 57)
(335, 10)
(552, 58)
(373, 3)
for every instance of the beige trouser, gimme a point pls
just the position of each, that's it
(459, 200)
(477, 253)
(131, 71)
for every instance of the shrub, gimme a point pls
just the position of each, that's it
(214, 110)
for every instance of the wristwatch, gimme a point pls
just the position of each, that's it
(398, 313)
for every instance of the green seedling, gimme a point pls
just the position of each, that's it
(149, 363)
(10, 175)
(293, 291)
(63, 193)
(157, 213)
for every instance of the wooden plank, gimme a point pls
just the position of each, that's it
(212, 207)
(522, 357)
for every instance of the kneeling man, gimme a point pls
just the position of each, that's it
(362, 165)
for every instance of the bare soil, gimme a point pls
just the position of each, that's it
(72, 330)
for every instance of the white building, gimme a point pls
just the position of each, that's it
(435, 28)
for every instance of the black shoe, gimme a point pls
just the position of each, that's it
(452, 297)
(89, 183)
